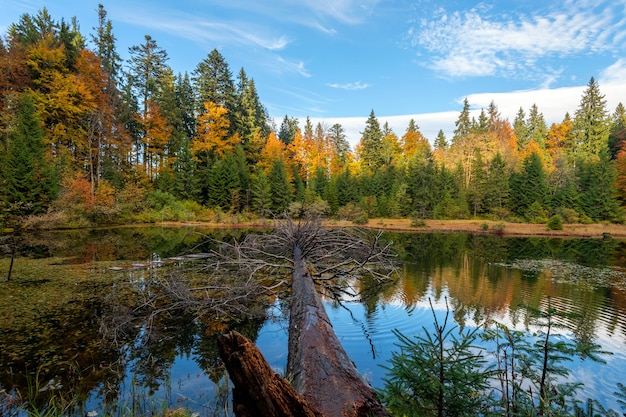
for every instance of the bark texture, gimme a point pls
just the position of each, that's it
(321, 370)
(259, 391)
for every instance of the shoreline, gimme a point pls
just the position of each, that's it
(493, 227)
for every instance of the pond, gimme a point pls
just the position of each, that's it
(70, 289)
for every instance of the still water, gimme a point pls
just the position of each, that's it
(69, 289)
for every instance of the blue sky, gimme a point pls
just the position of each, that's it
(336, 60)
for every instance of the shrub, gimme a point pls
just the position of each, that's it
(417, 220)
(350, 212)
(484, 226)
(361, 219)
(555, 223)
(498, 228)
(569, 215)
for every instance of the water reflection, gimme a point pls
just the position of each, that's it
(53, 327)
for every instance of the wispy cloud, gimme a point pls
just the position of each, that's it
(202, 30)
(475, 43)
(349, 86)
(291, 66)
(615, 73)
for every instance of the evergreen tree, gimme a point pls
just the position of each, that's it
(520, 128)
(596, 179)
(440, 141)
(591, 125)
(288, 129)
(477, 186)
(186, 182)
(27, 179)
(618, 130)
(529, 185)
(339, 142)
(224, 188)
(147, 64)
(537, 129)
(251, 115)
(213, 82)
(279, 184)
(482, 125)
(463, 123)
(104, 41)
(371, 144)
(496, 185)
(185, 102)
(261, 193)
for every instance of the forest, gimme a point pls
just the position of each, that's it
(86, 138)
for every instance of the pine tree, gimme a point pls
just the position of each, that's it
(618, 130)
(537, 129)
(440, 141)
(279, 184)
(339, 142)
(28, 181)
(213, 81)
(288, 129)
(371, 144)
(529, 186)
(463, 123)
(477, 186)
(496, 185)
(223, 186)
(520, 128)
(186, 182)
(105, 46)
(591, 124)
(596, 179)
(261, 193)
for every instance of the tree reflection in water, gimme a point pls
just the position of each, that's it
(53, 343)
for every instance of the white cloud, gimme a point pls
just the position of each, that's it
(291, 66)
(473, 43)
(553, 103)
(205, 31)
(349, 86)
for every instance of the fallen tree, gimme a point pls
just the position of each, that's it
(226, 285)
(321, 373)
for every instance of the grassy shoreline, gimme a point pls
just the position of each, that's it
(595, 230)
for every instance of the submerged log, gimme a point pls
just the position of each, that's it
(321, 370)
(259, 391)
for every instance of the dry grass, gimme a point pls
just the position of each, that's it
(496, 227)
(471, 226)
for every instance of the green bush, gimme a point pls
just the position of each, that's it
(484, 226)
(569, 215)
(555, 223)
(350, 212)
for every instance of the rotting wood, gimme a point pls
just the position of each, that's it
(321, 370)
(259, 391)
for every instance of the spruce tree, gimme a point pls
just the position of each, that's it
(537, 129)
(371, 143)
(496, 185)
(28, 180)
(261, 193)
(213, 81)
(520, 128)
(463, 123)
(591, 124)
(529, 186)
(440, 141)
(288, 129)
(279, 184)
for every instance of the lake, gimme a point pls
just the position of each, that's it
(69, 329)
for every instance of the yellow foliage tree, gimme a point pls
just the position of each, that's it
(213, 131)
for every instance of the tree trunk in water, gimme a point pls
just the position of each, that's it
(259, 391)
(322, 371)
